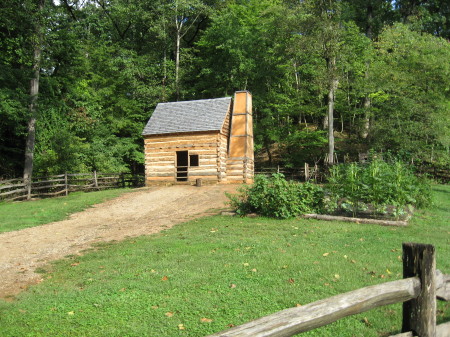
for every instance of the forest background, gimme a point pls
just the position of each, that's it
(80, 78)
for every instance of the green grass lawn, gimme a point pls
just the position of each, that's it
(203, 276)
(24, 214)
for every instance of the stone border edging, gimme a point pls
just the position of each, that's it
(403, 223)
(357, 220)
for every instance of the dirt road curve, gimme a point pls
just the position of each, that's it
(146, 211)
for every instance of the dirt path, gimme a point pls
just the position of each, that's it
(143, 212)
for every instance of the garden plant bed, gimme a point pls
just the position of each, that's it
(379, 192)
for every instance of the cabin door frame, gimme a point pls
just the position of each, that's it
(182, 166)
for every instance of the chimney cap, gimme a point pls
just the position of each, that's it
(239, 91)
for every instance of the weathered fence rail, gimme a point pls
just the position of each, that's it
(306, 173)
(317, 173)
(55, 185)
(418, 291)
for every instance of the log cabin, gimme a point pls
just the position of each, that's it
(208, 139)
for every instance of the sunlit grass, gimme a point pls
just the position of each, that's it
(24, 214)
(206, 275)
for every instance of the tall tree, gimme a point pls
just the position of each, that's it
(321, 33)
(431, 16)
(412, 72)
(102, 66)
(186, 14)
(371, 16)
(245, 48)
(38, 39)
(15, 62)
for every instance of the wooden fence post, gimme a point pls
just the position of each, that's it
(306, 171)
(95, 179)
(122, 177)
(419, 314)
(66, 184)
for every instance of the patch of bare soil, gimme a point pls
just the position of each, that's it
(144, 212)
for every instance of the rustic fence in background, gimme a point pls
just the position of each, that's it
(318, 172)
(418, 290)
(305, 173)
(63, 184)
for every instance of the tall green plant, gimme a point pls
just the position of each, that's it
(378, 184)
(277, 197)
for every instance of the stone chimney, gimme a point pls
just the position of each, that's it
(240, 162)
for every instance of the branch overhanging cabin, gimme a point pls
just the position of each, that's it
(208, 139)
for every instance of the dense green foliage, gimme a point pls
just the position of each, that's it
(223, 271)
(379, 187)
(277, 197)
(104, 66)
(377, 184)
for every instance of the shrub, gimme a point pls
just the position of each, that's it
(275, 197)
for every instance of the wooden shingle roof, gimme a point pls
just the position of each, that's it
(188, 116)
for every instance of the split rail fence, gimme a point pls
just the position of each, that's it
(316, 172)
(305, 173)
(63, 184)
(418, 290)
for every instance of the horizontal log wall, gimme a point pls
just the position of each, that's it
(212, 148)
(226, 125)
(224, 148)
(222, 157)
(240, 170)
(160, 156)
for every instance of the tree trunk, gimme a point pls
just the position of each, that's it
(269, 153)
(164, 80)
(33, 107)
(367, 102)
(179, 27)
(330, 115)
(325, 121)
(177, 65)
(330, 159)
(183, 23)
(366, 124)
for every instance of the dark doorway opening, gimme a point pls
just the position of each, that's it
(182, 165)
